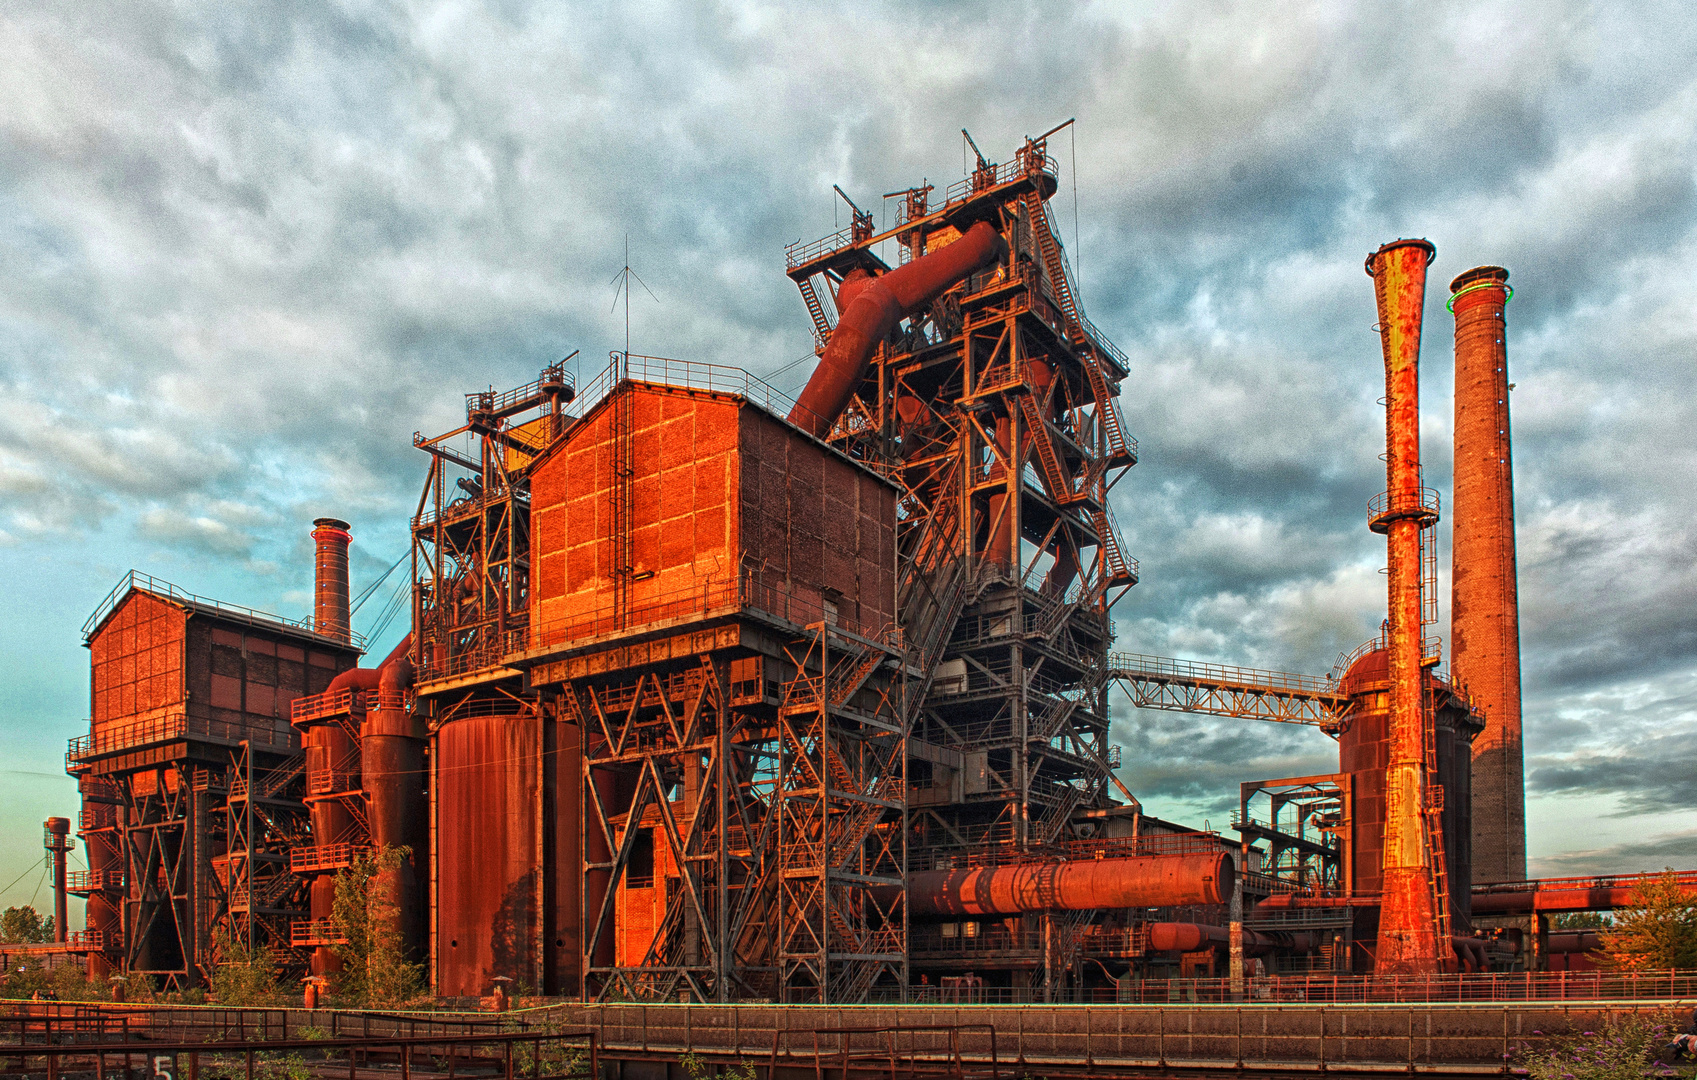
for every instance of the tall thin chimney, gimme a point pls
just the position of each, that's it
(1484, 595)
(58, 837)
(330, 610)
(1408, 939)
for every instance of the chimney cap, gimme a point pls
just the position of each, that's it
(1373, 257)
(1479, 275)
(58, 825)
(331, 523)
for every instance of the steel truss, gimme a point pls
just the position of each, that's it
(774, 807)
(997, 411)
(266, 817)
(471, 538)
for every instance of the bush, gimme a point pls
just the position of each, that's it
(1621, 1050)
(375, 968)
(245, 977)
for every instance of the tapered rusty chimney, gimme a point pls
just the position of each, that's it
(1484, 595)
(1408, 938)
(330, 609)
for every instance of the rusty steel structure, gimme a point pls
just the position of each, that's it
(711, 695)
(1484, 602)
(1414, 912)
(192, 779)
(995, 408)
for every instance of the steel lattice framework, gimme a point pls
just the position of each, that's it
(997, 409)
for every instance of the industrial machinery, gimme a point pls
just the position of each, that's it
(714, 695)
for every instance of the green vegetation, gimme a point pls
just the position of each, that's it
(1658, 932)
(25, 926)
(700, 1070)
(1622, 1049)
(375, 969)
(245, 977)
(1581, 920)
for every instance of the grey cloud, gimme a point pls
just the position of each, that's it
(246, 251)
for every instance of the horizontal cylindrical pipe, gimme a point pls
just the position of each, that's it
(1190, 937)
(1140, 881)
(1554, 900)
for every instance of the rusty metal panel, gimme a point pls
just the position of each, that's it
(489, 853)
(137, 658)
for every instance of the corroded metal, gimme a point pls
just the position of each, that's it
(1408, 940)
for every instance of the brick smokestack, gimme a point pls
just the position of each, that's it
(330, 609)
(1484, 596)
(1408, 940)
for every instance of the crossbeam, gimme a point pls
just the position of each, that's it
(1161, 682)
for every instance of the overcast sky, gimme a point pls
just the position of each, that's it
(247, 249)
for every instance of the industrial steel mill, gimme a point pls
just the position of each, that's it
(711, 695)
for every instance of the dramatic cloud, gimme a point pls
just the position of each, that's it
(247, 250)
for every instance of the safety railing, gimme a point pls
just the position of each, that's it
(1157, 668)
(316, 858)
(113, 738)
(135, 579)
(309, 933)
(523, 1054)
(82, 882)
(799, 253)
(330, 703)
(1383, 507)
(686, 374)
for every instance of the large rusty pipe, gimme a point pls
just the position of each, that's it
(391, 748)
(1484, 595)
(868, 317)
(1139, 881)
(1190, 937)
(330, 578)
(1407, 942)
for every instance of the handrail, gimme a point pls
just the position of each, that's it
(147, 583)
(1133, 665)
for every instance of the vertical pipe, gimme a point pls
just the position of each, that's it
(330, 579)
(1407, 925)
(1484, 601)
(58, 843)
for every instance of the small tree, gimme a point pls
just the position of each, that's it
(1658, 931)
(1580, 920)
(25, 926)
(245, 977)
(375, 968)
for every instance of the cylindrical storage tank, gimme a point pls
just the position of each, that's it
(1364, 753)
(330, 601)
(391, 754)
(489, 824)
(1140, 881)
(326, 746)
